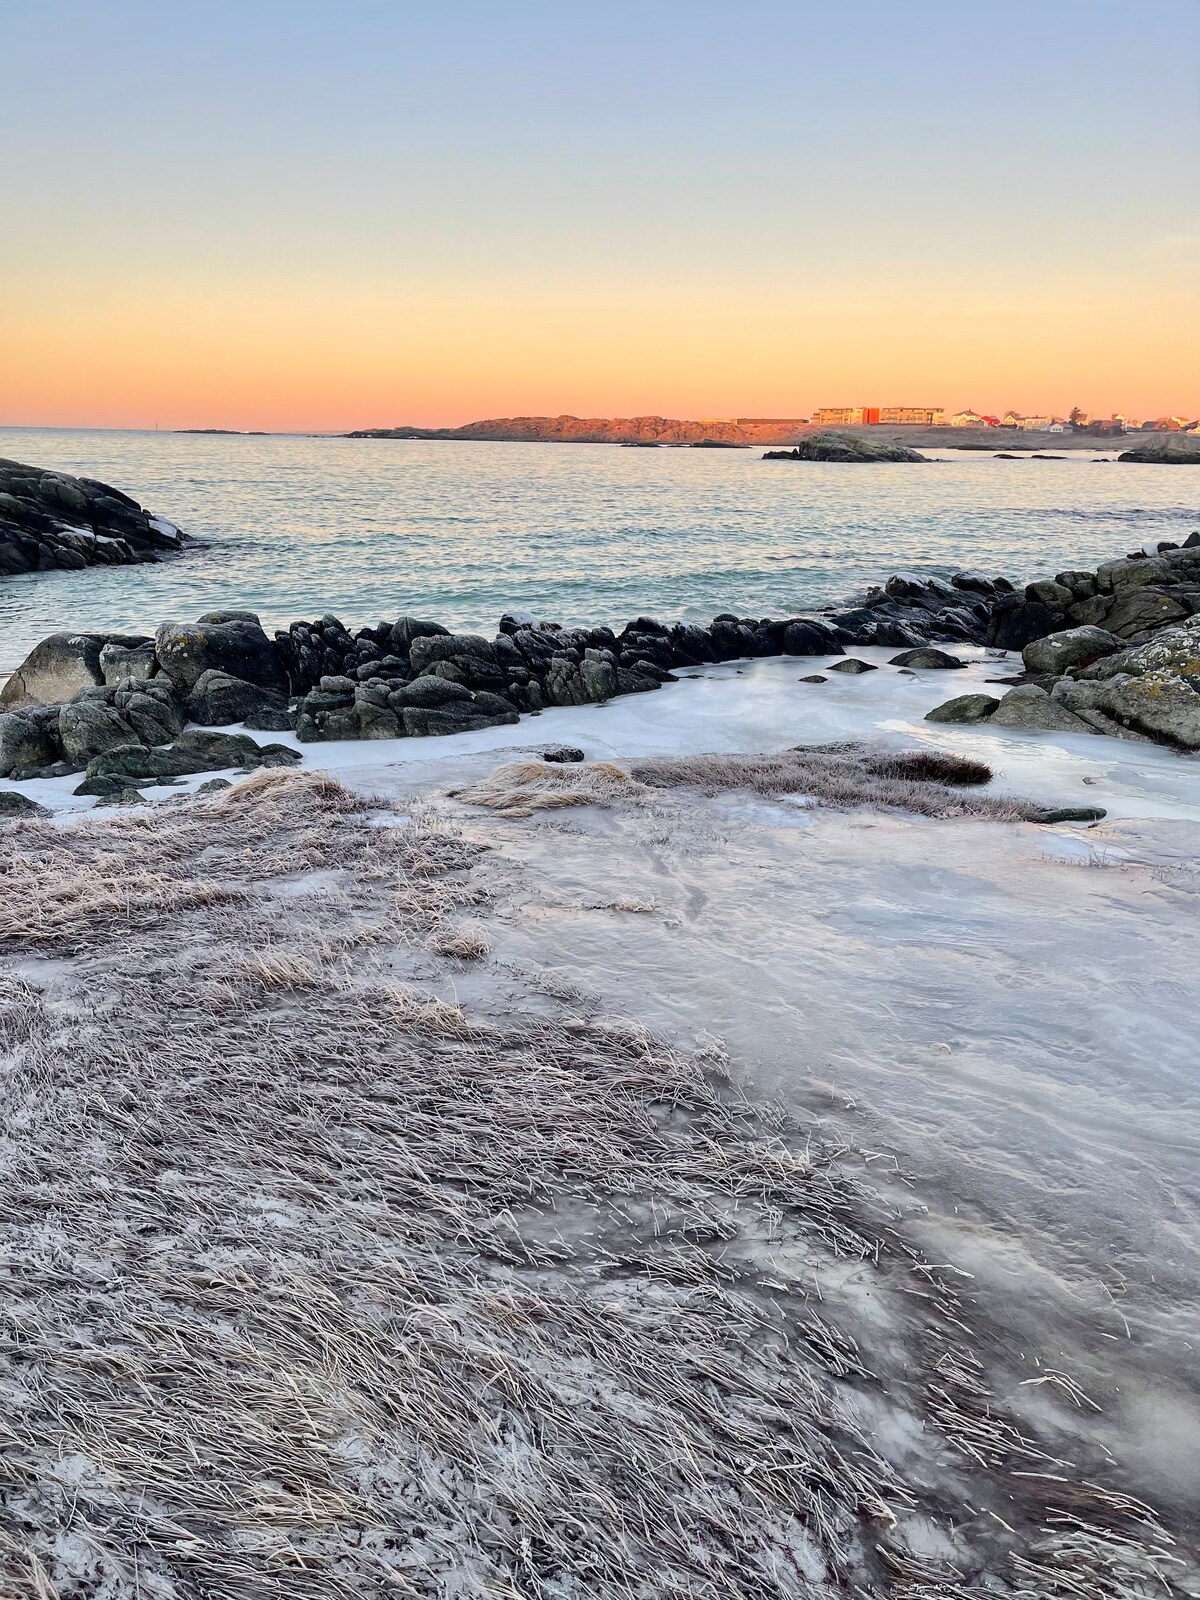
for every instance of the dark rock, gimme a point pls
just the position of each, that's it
(926, 658)
(402, 633)
(1133, 611)
(852, 664)
(420, 723)
(237, 647)
(28, 738)
(429, 693)
(1030, 707)
(52, 520)
(1016, 623)
(1165, 449)
(562, 753)
(1076, 647)
(428, 649)
(813, 677)
(964, 708)
(844, 447)
(218, 699)
(805, 637)
(14, 806)
(88, 727)
(1073, 814)
(196, 750)
(1056, 596)
(213, 786)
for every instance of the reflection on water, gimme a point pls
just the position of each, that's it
(460, 531)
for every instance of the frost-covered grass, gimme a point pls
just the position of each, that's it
(316, 1285)
(927, 783)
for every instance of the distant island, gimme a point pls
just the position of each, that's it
(731, 431)
(611, 430)
(240, 433)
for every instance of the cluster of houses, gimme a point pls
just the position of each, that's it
(1077, 422)
(935, 417)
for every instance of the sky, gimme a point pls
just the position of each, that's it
(298, 214)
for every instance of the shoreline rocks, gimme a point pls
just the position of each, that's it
(1112, 651)
(52, 521)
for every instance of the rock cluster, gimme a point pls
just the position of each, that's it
(115, 708)
(51, 520)
(1128, 663)
(845, 447)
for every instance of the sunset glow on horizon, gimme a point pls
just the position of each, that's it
(325, 218)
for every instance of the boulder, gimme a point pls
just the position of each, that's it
(196, 750)
(88, 727)
(59, 667)
(407, 629)
(852, 665)
(927, 658)
(119, 662)
(1134, 572)
(430, 648)
(1030, 707)
(560, 753)
(235, 645)
(806, 638)
(1074, 647)
(218, 699)
(598, 674)
(964, 708)
(429, 693)
(1047, 592)
(14, 806)
(1161, 704)
(28, 738)
(813, 677)
(420, 723)
(1016, 623)
(1135, 610)
(150, 711)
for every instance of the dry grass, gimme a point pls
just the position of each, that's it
(520, 788)
(463, 944)
(927, 783)
(316, 1288)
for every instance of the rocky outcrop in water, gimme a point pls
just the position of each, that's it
(845, 447)
(51, 520)
(1166, 449)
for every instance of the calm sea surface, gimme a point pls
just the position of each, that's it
(370, 529)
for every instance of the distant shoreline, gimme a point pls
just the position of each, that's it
(673, 433)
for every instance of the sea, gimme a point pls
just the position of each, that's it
(369, 529)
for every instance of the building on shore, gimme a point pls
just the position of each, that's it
(971, 419)
(913, 416)
(846, 416)
(1036, 424)
(1012, 419)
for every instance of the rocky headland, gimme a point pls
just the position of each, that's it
(607, 430)
(1115, 651)
(51, 520)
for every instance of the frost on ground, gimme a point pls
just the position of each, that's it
(317, 1286)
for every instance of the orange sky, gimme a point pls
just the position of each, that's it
(375, 216)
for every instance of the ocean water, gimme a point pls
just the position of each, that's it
(369, 529)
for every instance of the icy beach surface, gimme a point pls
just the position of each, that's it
(999, 1019)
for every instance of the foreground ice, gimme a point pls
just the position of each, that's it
(1000, 1018)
